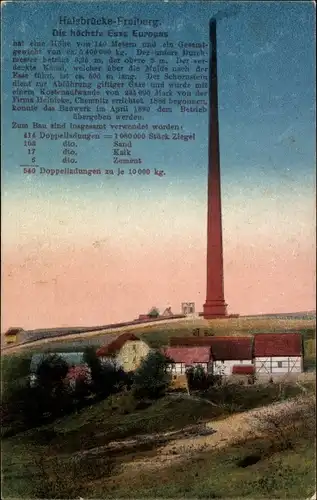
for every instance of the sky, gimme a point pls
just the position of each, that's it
(88, 250)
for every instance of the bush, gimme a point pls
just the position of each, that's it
(151, 378)
(55, 396)
(285, 423)
(154, 313)
(197, 378)
(106, 378)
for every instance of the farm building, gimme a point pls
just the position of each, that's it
(127, 351)
(184, 357)
(278, 353)
(226, 352)
(13, 334)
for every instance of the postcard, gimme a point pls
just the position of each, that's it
(158, 183)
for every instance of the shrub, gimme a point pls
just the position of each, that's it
(105, 378)
(154, 313)
(50, 385)
(286, 422)
(151, 379)
(197, 378)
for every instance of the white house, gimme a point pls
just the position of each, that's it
(225, 352)
(185, 357)
(278, 353)
(229, 352)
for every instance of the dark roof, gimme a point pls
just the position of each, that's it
(229, 348)
(13, 331)
(243, 369)
(222, 348)
(188, 355)
(277, 344)
(72, 358)
(116, 344)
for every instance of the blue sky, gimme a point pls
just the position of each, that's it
(266, 86)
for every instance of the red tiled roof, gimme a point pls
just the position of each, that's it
(189, 355)
(116, 344)
(277, 344)
(243, 369)
(222, 348)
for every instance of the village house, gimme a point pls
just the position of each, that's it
(13, 335)
(231, 352)
(126, 351)
(185, 357)
(278, 353)
(226, 352)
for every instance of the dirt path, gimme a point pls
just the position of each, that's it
(241, 426)
(176, 446)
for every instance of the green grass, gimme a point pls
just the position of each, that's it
(287, 474)
(30, 459)
(158, 334)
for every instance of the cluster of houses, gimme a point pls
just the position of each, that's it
(262, 355)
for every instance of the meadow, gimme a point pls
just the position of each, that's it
(157, 335)
(72, 456)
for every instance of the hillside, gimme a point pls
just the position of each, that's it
(158, 334)
(115, 445)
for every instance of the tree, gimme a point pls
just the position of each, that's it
(154, 313)
(151, 379)
(105, 377)
(50, 385)
(197, 377)
(51, 371)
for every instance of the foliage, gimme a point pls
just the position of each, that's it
(294, 419)
(51, 372)
(13, 369)
(106, 378)
(197, 378)
(151, 379)
(78, 469)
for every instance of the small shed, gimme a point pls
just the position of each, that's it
(278, 353)
(185, 357)
(12, 335)
(127, 351)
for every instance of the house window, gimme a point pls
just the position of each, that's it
(279, 364)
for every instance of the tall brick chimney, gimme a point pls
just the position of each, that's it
(215, 306)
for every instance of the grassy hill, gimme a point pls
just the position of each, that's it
(158, 334)
(67, 459)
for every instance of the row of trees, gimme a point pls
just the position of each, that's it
(57, 389)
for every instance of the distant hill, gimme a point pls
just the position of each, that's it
(291, 315)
